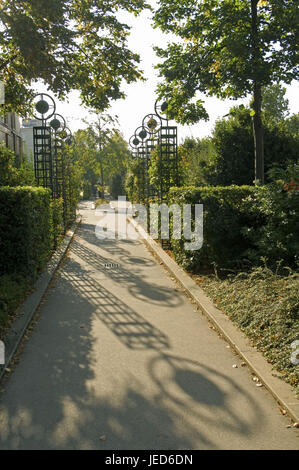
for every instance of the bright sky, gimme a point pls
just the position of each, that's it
(141, 96)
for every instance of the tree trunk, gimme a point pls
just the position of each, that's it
(102, 180)
(258, 130)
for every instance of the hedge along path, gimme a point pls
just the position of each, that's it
(241, 225)
(27, 232)
(33, 302)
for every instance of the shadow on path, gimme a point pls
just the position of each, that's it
(128, 274)
(62, 397)
(125, 323)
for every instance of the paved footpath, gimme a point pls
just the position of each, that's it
(120, 359)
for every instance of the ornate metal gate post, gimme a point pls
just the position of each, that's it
(69, 140)
(42, 143)
(58, 125)
(151, 124)
(168, 142)
(134, 144)
(141, 135)
(156, 134)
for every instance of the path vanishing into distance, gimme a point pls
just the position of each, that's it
(121, 359)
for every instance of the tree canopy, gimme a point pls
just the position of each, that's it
(226, 157)
(229, 49)
(275, 105)
(215, 55)
(70, 45)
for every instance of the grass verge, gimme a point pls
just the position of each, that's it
(265, 305)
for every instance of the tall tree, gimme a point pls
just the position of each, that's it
(101, 131)
(101, 153)
(229, 49)
(232, 146)
(85, 155)
(69, 44)
(275, 105)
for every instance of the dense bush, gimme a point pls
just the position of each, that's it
(275, 236)
(224, 221)
(242, 224)
(117, 186)
(26, 229)
(87, 190)
(57, 207)
(10, 174)
(228, 157)
(135, 185)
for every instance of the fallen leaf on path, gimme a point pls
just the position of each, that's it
(283, 411)
(243, 364)
(296, 425)
(103, 438)
(235, 366)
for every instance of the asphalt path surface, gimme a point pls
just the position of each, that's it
(121, 359)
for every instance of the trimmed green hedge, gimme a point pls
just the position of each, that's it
(276, 232)
(242, 224)
(224, 220)
(13, 290)
(58, 228)
(26, 229)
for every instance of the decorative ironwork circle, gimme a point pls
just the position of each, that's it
(134, 142)
(69, 139)
(55, 124)
(160, 110)
(58, 123)
(141, 132)
(68, 131)
(44, 106)
(151, 123)
(65, 133)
